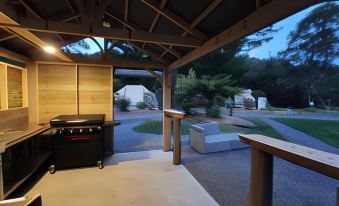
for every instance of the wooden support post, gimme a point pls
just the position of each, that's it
(175, 116)
(166, 140)
(177, 142)
(261, 178)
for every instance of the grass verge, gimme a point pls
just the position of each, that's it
(325, 130)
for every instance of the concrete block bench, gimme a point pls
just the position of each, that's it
(206, 138)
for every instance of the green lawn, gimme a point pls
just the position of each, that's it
(155, 127)
(325, 130)
(262, 129)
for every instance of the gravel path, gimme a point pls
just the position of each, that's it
(299, 137)
(225, 175)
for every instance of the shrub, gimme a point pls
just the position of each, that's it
(213, 111)
(150, 100)
(123, 104)
(141, 105)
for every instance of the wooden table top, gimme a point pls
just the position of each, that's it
(13, 137)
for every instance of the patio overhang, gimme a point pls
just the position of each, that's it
(163, 29)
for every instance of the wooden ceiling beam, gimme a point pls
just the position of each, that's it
(110, 60)
(199, 19)
(135, 27)
(261, 18)
(24, 4)
(174, 18)
(108, 33)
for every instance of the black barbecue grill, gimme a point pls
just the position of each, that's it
(78, 141)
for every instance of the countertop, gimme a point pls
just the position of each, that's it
(13, 137)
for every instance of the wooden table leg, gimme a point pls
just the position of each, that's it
(261, 178)
(166, 139)
(177, 143)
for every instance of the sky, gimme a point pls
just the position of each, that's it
(279, 41)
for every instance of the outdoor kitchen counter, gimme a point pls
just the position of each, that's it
(13, 137)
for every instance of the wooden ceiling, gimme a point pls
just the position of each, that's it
(172, 32)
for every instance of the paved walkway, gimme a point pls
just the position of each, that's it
(299, 137)
(268, 114)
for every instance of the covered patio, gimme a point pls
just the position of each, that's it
(39, 81)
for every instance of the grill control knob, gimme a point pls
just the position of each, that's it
(90, 130)
(71, 131)
(80, 130)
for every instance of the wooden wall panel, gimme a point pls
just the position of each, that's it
(14, 87)
(95, 91)
(56, 91)
(32, 86)
(3, 87)
(14, 119)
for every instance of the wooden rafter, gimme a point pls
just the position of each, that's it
(258, 3)
(73, 12)
(265, 16)
(150, 52)
(174, 18)
(10, 36)
(91, 13)
(126, 12)
(135, 27)
(24, 4)
(8, 14)
(157, 76)
(154, 22)
(156, 18)
(199, 19)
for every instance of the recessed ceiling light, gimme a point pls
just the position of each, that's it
(49, 49)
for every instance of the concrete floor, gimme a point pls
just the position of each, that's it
(136, 178)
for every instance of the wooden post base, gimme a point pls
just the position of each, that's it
(261, 178)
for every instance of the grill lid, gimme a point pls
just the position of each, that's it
(78, 120)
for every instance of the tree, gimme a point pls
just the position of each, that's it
(214, 89)
(315, 38)
(183, 96)
(230, 59)
(313, 46)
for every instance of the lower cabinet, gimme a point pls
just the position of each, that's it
(19, 161)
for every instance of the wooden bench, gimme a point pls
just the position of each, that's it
(262, 151)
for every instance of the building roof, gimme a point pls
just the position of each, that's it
(172, 32)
